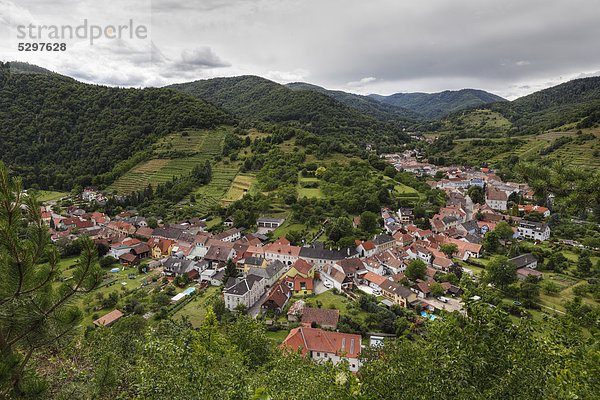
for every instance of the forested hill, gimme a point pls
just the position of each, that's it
(364, 104)
(436, 105)
(256, 98)
(574, 102)
(17, 67)
(57, 132)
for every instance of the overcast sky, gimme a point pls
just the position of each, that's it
(510, 48)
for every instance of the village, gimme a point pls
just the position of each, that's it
(272, 279)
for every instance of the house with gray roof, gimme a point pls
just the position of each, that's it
(245, 291)
(271, 274)
(525, 261)
(319, 255)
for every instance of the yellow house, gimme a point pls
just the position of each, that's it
(397, 293)
(257, 262)
(303, 286)
(160, 248)
(301, 268)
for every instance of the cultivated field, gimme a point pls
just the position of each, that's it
(210, 195)
(198, 146)
(239, 187)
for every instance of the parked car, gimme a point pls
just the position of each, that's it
(328, 284)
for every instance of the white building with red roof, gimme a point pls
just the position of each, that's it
(321, 345)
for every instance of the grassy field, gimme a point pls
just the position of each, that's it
(192, 148)
(48, 195)
(309, 192)
(277, 337)
(195, 310)
(287, 227)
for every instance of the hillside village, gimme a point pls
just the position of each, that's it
(415, 268)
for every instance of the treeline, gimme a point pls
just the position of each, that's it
(481, 355)
(58, 133)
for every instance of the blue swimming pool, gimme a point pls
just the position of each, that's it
(190, 290)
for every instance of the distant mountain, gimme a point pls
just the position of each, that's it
(18, 67)
(57, 132)
(436, 105)
(260, 99)
(364, 104)
(574, 102)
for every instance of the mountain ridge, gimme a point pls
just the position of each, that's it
(364, 104)
(436, 105)
(257, 98)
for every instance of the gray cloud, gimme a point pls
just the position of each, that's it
(510, 48)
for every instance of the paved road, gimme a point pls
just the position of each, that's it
(255, 309)
(319, 287)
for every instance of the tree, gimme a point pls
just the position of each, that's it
(534, 216)
(34, 312)
(368, 221)
(241, 309)
(152, 223)
(501, 272)
(504, 230)
(436, 289)
(108, 261)
(584, 265)
(416, 269)
(476, 194)
(490, 243)
(231, 270)
(449, 249)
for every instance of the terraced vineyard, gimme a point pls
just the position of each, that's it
(199, 144)
(210, 195)
(239, 187)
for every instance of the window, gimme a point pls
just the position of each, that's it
(318, 354)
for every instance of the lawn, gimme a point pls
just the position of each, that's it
(277, 337)
(329, 300)
(403, 189)
(310, 193)
(48, 195)
(195, 310)
(287, 227)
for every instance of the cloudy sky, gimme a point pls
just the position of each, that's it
(510, 48)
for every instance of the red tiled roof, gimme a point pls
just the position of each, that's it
(368, 245)
(302, 266)
(321, 316)
(298, 280)
(373, 277)
(109, 318)
(310, 339)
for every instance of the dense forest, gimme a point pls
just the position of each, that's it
(58, 133)
(436, 105)
(365, 104)
(257, 98)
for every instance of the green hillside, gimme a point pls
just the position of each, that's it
(57, 132)
(259, 99)
(436, 105)
(364, 104)
(575, 102)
